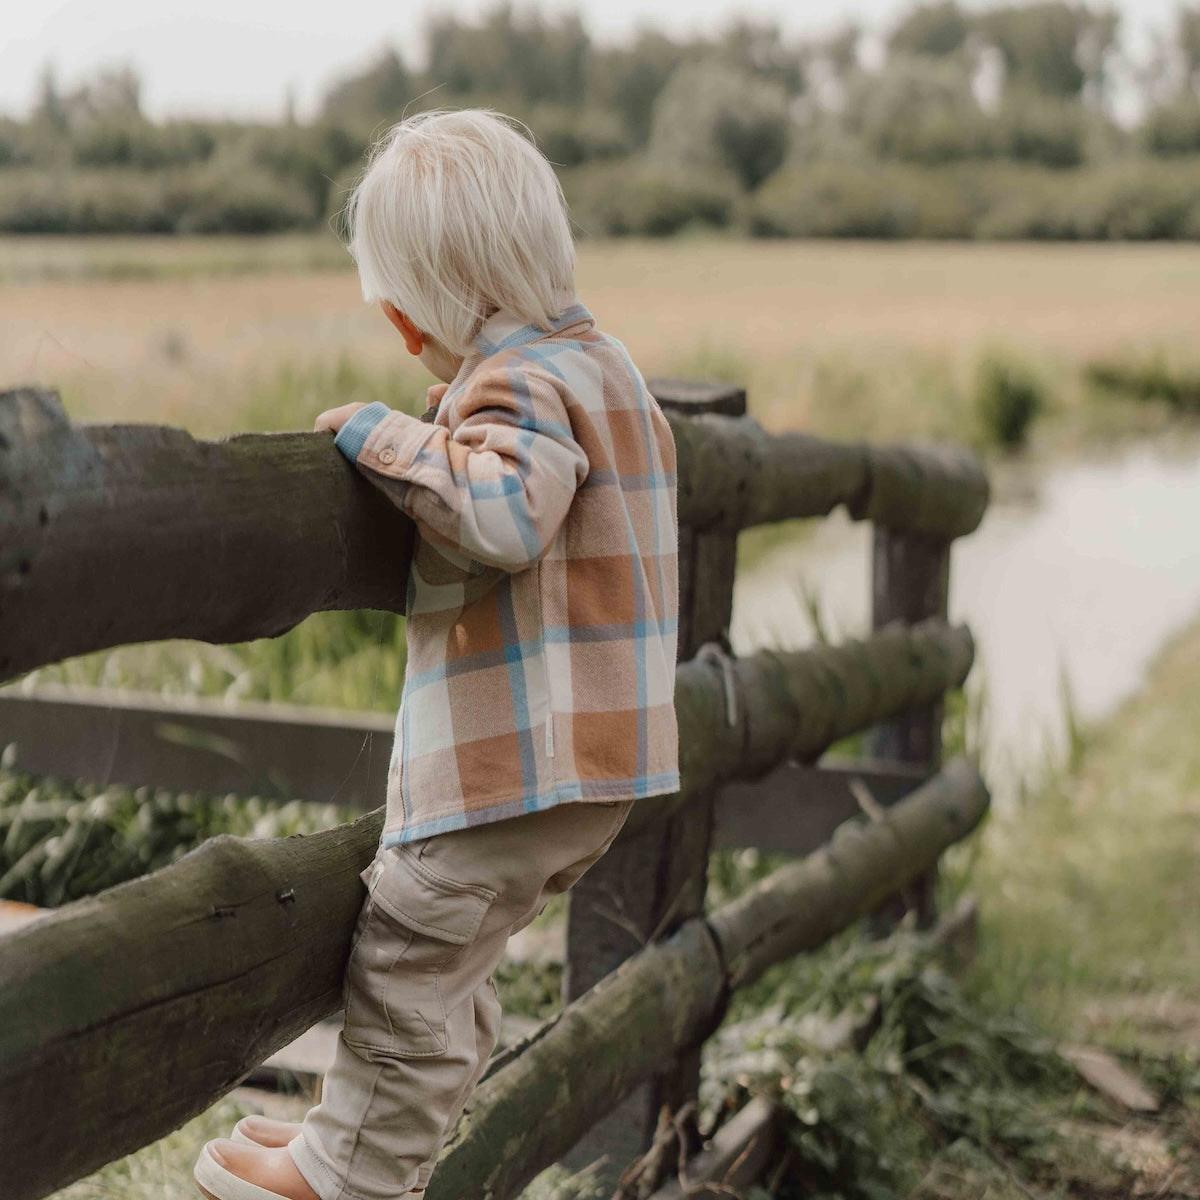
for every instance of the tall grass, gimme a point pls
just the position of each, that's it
(58, 259)
(1086, 887)
(1148, 378)
(291, 396)
(351, 660)
(1008, 400)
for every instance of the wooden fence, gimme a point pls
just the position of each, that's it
(124, 1014)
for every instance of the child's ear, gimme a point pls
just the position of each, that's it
(413, 338)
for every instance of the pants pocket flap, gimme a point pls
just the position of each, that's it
(428, 902)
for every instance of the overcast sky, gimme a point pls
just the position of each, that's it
(240, 57)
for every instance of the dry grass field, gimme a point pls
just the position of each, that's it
(842, 338)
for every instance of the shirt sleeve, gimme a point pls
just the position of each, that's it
(497, 485)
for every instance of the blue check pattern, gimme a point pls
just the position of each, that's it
(543, 598)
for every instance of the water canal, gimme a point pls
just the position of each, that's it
(1077, 575)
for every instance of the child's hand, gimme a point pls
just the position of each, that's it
(334, 418)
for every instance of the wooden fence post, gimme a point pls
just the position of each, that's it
(910, 582)
(645, 888)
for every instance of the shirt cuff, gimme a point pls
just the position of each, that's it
(354, 433)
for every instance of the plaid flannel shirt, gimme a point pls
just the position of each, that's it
(543, 595)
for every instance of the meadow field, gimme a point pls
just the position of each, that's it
(845, 339)
(872, 340)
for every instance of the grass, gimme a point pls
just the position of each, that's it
(42, 259)
(849, 341)
(1152, 379)
(352, 660)
(840, 339)
(1082, 891)
(218, 335)
(1088, 887)
(1085, 894)
(162, 1170)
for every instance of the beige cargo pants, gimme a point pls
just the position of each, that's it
(422, 1015)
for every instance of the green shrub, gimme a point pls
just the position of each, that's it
(124, 140)
(114, 200)
(15, 149)
(1173, 128)
(850, 200)
(308, 157)
(1123, 201)
(919, 109)
(237, 199)
(34, 200)
(30, 202)
(1039, 129)
(1152, 200)
(716, 118)
(1022, 202)
(1007, 399)
(569, 138)
(1127, 201)
(644, 199)
(940, 136)
(932, 1075)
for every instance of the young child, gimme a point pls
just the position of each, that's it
(542, 611)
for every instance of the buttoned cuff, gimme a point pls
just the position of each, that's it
(394, 444)
(353, 434)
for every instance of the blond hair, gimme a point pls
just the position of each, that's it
(458, 215)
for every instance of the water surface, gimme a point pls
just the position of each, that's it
(1076, 576)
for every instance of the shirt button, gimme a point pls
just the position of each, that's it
(387, 454)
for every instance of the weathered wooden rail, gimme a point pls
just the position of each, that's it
(116, 534)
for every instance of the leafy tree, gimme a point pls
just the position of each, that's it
(310, 156)
(1041, 129)
(1174, 127)
(1188, 37)
(112, 91)
(14, 143)
(629, 79)
(918, 109)
(1043, 44)
(760, 48)
(132, 141)
(939, 28)
(1095, 52)
(49, 108)
(840, 50)
(524, 56)
(569, 137)
(711, 115)
(378, 93)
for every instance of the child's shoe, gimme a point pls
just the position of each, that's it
(264, 1131)
(267, 1131)
(228, 1170)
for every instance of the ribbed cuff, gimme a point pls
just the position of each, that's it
(353, 435)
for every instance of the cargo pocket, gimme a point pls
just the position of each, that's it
(415, 922)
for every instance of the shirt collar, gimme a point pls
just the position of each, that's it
(502, 330)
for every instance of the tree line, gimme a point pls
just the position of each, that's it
(956, 123)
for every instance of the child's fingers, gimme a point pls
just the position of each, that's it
(334, 418)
